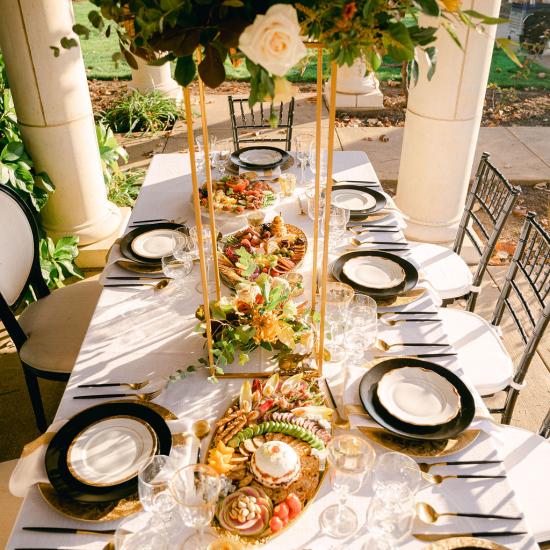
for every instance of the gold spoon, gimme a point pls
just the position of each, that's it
(427, 514)
(382, 345)
(437, 479)
(357, 242)
(201, 428)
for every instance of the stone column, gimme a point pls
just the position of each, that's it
(150, 78)
(356, 90)
(441, 131)
(55, 115)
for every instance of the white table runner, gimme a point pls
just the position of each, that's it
(137, 333)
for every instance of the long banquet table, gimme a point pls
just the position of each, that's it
(137, 333)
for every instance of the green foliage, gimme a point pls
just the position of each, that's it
(17, 171)
(124, 187)
(110, 152)
(57, 260)
(137, 112)
(369, 29)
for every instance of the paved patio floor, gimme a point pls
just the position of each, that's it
(521, 152)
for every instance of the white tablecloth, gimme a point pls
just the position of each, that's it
(137, 333)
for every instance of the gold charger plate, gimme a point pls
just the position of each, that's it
(420, 449)
(402, 299)
(104, 511)
(465, 542)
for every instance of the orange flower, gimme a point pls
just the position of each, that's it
(267, 327)
(349, 11)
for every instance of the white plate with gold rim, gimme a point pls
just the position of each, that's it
(352, 199)
(260, 157)
(418, 396)
(155, 244)
(374, 272)
(111, 451)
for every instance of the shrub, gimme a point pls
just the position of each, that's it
(137, 112)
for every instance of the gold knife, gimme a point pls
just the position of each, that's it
(432, 537)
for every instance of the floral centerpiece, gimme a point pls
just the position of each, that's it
(260, 314)
(270, 35)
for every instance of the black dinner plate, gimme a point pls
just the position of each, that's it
(359, 214)
(235, 158)
(410, 281)
(57, 468)
(126, 241)
(369, 399)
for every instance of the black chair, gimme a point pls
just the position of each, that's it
(536, 32)
(492, 195)
(248, 125)
(49, 333)
(526, 297)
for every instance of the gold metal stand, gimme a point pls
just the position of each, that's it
(327, 199)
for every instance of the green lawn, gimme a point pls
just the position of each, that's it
(97, 51)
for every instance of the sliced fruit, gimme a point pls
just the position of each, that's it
(294, 505)
(282, 511)
(276, 524)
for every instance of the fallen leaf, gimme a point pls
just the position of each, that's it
(384, 138)
(520, 211)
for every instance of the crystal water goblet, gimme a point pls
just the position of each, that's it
(350, 458)
(303, 146)
(338, 298)
(389, 521)
(199, 154)
(363, 314)
(154, 491)
(177, 267)
(396, 475)
(196, 488)
(224, 148)
(209, 256)
(323, 162)
(310, 198)
(337, 224)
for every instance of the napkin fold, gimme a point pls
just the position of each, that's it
(30, 468)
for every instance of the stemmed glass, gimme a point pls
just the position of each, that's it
(303, 146)
(179, 264)
(209, 256)
(396, 479)
(199, 154)
(223, 148)
(350, 458)
(362, 326)
(313, 164)
(310, 197)
(389, 522)
(338, 219)
(196, 489)
(338, 299)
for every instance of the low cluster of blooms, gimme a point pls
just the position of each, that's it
(261, 313)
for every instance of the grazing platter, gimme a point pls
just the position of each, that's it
(238, 195)
(269, 446)
(274, 248)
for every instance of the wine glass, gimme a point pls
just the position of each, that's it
(313, 164)
(209, 256)
(196, 489)
(154, 490)
(213, 153)
(350, 458)
(310, 197)
(199, 154)
(396, 475)
(338, 298)
(354, 340)
(337, 224)
(363, 314)
(177, 266)
(224, 148)
(389, 521)
(303, 146)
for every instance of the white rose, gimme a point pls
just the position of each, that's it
(273, 40)
(247, 292)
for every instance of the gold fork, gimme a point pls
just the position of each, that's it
(140, 396)
(129, 385)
